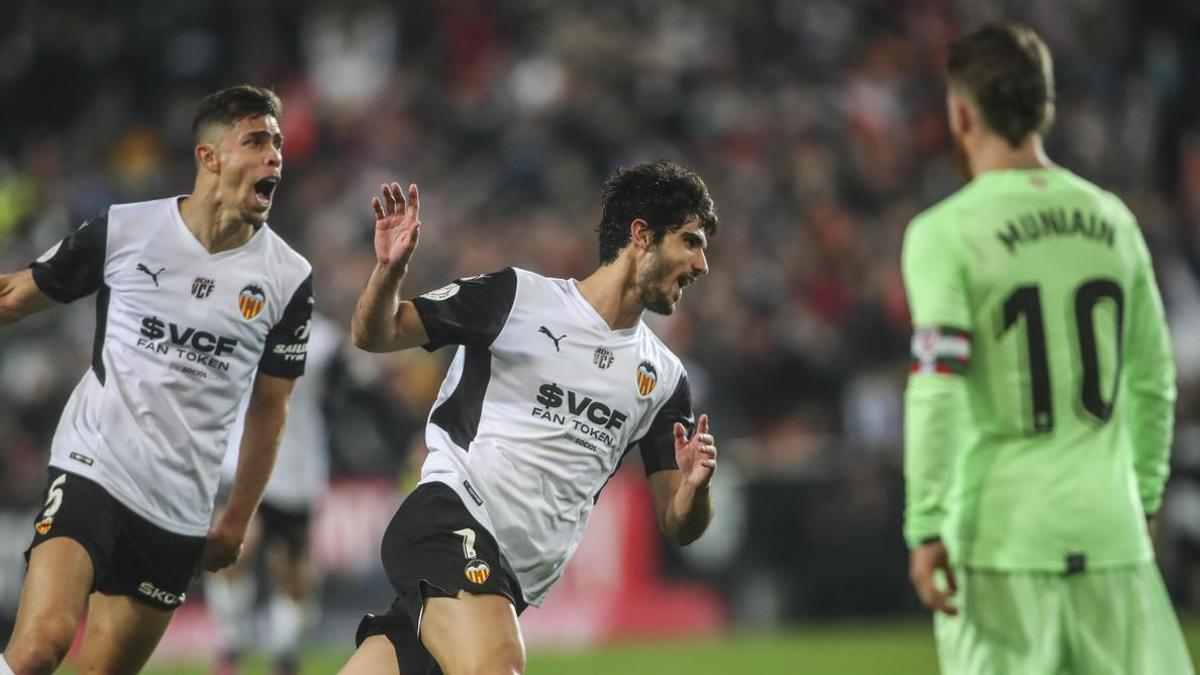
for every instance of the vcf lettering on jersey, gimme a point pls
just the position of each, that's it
(583, 413)
(192, 344)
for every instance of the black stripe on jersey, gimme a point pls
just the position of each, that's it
(101, 329)
(459, 414)
(469, 311)
(76, 266)
(658, 445)
(285, 351)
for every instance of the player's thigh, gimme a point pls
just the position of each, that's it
(285, 542)
(121, 634)
(472, 631)
(53, 598)
(290, 570)
(375, 656)
(1123, 622)
(1007, 624)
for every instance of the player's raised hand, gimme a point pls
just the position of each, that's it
(923, 563)
(697, 458)
(397, 224)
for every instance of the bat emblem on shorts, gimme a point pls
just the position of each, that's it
(478, 571)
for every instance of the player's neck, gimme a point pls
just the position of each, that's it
(993, 153)
(216, 228)
(610, 291)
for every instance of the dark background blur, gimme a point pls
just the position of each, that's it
(818, 126)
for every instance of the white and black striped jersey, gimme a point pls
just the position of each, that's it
(179, 334)
(539, 406)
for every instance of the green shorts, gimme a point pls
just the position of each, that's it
(1103, 622)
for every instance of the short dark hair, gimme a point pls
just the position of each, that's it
(664, 194)
(227, 106)
(1007, 69)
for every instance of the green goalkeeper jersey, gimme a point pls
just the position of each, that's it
(1039, 407)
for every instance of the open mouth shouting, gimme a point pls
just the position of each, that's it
(264, 190)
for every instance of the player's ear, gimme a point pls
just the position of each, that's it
(207, 157)
(640, 234)
(961, 113)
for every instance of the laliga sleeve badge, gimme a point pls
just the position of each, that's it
(444, 293)
(43, 525)
(478, 571)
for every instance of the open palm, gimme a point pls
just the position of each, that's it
(697, 458)
(397, 224)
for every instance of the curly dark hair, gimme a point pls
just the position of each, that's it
(1007, 69)
(227, 106)
(664, 194)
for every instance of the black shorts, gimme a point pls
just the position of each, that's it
(287, 526)
(130, 555)
(426, 554)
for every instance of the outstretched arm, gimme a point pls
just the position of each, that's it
(382, 322)
(681, 496)
(20, 297)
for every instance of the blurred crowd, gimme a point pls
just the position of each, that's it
(818, 126)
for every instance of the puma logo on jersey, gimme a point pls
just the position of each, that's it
(550, 335)
(153, 275)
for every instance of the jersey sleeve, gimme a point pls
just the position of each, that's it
(286, 349)
(934, 274)
(74, 267)
(935, 406)
(1149, 374)
(658, 445)
(468, 311)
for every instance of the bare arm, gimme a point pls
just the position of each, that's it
(20, 297)
(265, 417)
(682, 500)
(382, 322)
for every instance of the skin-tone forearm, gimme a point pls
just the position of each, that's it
(373, 327)
(256, 459)
(20, 297)
(689, 514)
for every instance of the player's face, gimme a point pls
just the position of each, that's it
(251, 166)
(675, 262)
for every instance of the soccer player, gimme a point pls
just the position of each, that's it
(280, 533)
(194, 296)
(1038, 412)
(553, 381)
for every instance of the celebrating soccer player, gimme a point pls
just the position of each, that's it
(552, 382)
(195, 297)
(1039, 408)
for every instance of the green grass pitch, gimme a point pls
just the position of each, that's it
(896, 648)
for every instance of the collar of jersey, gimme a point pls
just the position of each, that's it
(601, 324)
(182, 227)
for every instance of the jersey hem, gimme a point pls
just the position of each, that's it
(132, 505)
